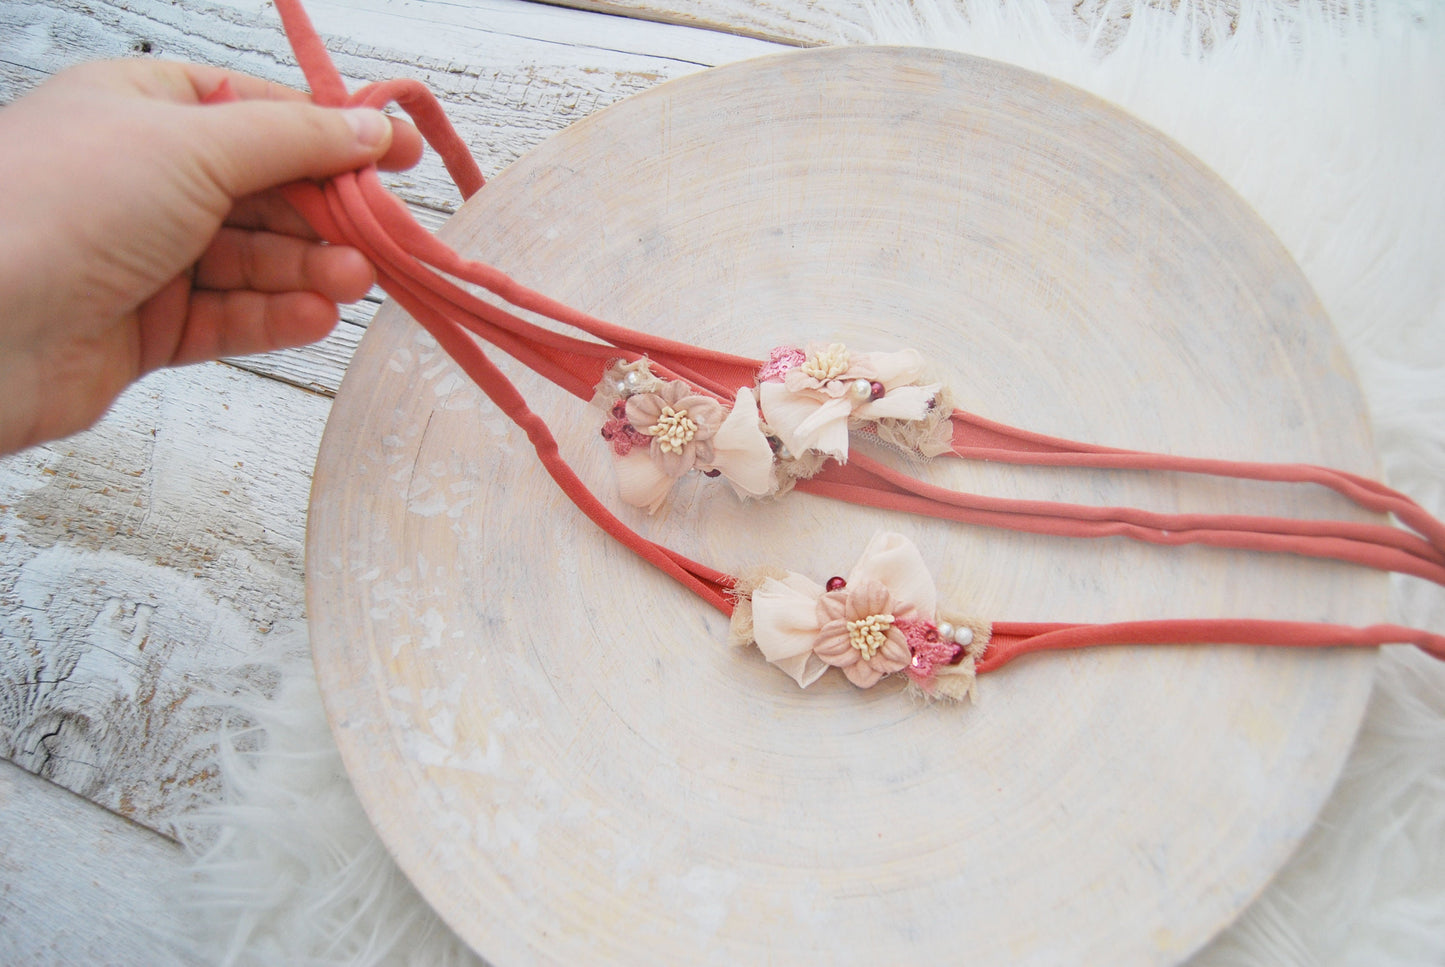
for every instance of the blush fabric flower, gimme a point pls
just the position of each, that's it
(811, 405)
(804, 628)
(681, 423)
(860, 632)
(688, 431)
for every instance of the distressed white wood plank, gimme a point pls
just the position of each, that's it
(79, 885)
(504, 91)
(447, 28)
(318, 367)
(15, 78)
(809, 23)
(142, 564)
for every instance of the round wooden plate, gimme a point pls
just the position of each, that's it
(556, 742)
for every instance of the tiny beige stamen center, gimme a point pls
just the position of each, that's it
(868, 634)
(826, 364)
(674, 430)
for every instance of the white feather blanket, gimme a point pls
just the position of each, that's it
(1330, 120)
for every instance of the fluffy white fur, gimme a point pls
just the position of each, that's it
(288, 870)
(1330, 119)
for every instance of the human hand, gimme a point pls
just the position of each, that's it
(141, 228)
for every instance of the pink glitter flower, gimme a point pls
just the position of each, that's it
(780, 360)
(929, 651)
(620, 433)
(803, 628)
(879, 619)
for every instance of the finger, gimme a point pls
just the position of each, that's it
(250, 146)
(170, 80)
(205, 81)
(269, 212)
(268, 262)
(161, 325)
(193, 84)
(406, 142)
(242, 323)
(406, 147)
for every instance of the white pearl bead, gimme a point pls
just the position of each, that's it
(621, 387)
(861, 390)
(945, 631)
(963, 635)
(633, 379)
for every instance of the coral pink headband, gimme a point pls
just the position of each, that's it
(764, 427)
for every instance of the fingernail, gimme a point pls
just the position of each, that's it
(370, 126)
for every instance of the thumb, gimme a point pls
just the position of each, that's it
(250, 146)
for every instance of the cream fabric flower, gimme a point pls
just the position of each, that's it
(811, 407)
(740, 450)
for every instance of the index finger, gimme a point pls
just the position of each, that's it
(406, 142)
(205, 81)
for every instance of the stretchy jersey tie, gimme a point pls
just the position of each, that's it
(767, 426)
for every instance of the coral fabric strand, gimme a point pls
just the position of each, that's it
(576, 366)
(1014, 639)
(979, 439)
(866, 481)
(355, 209)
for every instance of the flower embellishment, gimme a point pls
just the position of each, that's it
(660, 431)
(799, 416)
(861, 632)
(809, 398)
(680, 423)
(879, 620)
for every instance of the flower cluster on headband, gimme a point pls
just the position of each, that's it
(810, 398)
(660, 430)
(880, 619)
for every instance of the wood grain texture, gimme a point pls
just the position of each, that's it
(826, 22)
(510, 73)
(808, 24)
(556, 743)
(143, 564)
(81, 886)
(319, 366)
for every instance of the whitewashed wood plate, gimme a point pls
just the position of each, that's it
(556, 743)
